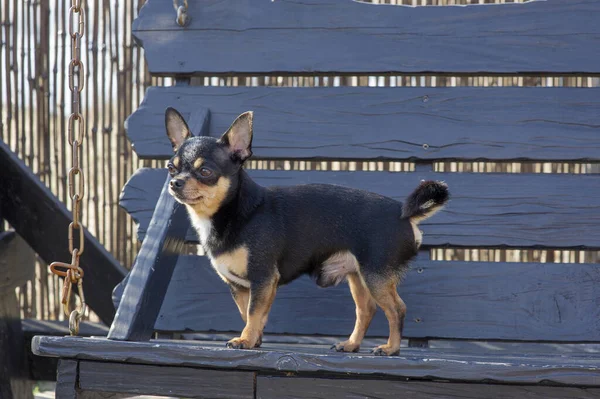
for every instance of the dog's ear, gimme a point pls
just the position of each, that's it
(239, 137)
(177, 130)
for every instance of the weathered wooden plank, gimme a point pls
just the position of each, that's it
(17, 266)
(145, 285)
(149, 277)
(139, 198)
(66, 380)
(387, 123)
(44, 368)
(235, 36)
(439, 345)
(171, 381)
(42, 220)
(490, 210)
(322, 388)
(580, 369)
(67, 383)
(17, 262)
(547, 302)
(5, 360)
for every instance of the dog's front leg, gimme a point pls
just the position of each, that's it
(241, 296)
(261, 298)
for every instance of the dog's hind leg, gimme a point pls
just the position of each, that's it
(387, 298)
(365, 310)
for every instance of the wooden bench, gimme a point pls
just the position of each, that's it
(479, 328)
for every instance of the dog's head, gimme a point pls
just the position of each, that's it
(204, 169)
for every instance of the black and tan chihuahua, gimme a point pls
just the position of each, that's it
(259, 238)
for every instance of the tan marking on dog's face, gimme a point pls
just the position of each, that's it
(209, 198)
(176, 162)
(198, 163)
(232, 266)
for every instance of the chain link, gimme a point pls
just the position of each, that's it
(71, 272)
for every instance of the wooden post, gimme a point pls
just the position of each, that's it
(17, 266)
(149, 278)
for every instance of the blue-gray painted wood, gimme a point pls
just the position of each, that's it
(42, 221)
(139, 198)
(236, 36)
(17, 262)
(456, 300)
(43, 368)
(117, 293)
(149, 277)
(140, 295)
(489, 210)
(168, 381)
(422, 363)
(442, 345)
(66, 381)
(548, 124)
(271, 387)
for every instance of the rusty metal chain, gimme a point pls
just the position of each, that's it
(182, 16)
(72, 272)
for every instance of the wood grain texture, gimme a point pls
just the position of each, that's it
(17, 262)
(66, 379)
(322, 388)
(386, 123)
(439, 345)
(490, 210)
(169, 381)
(458, 300)
(10, 327)
(42, 220)
(149, 278)
(44, 368)
(581, 369)
(236, 36)
(139, 198)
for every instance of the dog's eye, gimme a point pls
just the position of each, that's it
(171, 168)
(205, 172)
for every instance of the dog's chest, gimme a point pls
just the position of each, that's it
(203, 227)
(230, 266)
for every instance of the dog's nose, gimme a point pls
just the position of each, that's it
(176, 184)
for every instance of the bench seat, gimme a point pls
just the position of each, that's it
(574, 365)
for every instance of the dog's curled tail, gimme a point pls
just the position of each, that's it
(426, 200)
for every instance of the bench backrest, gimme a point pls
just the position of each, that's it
(424, 127)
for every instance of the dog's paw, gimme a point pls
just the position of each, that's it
(239, 343)
(385, 350)
(346, 346)
(259, 342)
